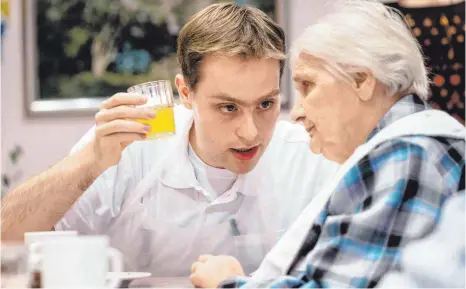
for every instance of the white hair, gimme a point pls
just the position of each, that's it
(366, 36)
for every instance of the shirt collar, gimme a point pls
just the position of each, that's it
(407, 105)
(176, 170)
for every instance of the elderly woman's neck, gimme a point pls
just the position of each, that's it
(371, 113)
(375, 109)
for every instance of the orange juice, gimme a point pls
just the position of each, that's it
(163, 124)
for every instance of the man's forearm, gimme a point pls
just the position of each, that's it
(39, 203)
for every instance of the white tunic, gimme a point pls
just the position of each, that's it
(157, 214)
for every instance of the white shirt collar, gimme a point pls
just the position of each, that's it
(176, 170)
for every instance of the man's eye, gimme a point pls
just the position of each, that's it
(266, 104)
(228, 108)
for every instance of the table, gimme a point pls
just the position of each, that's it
(159, 282)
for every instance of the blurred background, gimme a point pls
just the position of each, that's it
(60, 58)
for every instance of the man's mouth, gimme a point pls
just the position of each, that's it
(245, 154)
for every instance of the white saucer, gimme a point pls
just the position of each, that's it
(128, 275)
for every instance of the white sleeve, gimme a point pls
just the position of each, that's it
(93, 210)
(101, 202)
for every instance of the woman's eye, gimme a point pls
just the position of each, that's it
(305, 87)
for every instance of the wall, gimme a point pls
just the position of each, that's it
(46, 140)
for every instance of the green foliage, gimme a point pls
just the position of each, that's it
(86, 84)
(78, 37)
(103, 19)
(11, 172)
(81, 42)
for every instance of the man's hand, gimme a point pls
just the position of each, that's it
(209, 271)
(58, 188)
(116, 128)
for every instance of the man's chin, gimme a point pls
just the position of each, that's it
(242, 167)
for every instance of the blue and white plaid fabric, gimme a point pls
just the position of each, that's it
(437, 260)
(392, 196)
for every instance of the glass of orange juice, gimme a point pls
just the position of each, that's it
(160, 99)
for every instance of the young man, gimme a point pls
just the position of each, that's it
(230, 182)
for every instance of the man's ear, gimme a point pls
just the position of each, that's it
(365, 85)
(183, 91)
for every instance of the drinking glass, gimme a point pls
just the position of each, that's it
(160, 99)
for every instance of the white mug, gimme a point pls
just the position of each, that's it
(45, 236)
(80, 263)
(34, 240)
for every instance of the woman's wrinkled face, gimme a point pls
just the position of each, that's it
(328, 107)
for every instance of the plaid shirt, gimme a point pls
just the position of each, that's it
(444, 266)
(392, 196)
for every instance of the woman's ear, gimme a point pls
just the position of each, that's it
(365, 85)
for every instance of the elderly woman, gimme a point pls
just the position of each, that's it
(363, 86)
